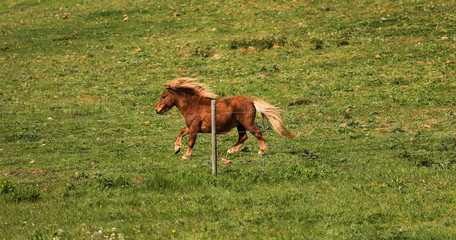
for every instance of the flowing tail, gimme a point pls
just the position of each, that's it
(272, 114)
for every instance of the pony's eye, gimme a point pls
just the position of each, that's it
(164, 97)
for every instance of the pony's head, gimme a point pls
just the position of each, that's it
(167, 101)
(179, 87)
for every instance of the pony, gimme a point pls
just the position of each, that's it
(193, 100)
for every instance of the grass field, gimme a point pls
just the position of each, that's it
(369, 86)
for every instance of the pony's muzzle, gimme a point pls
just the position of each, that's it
(158, 111)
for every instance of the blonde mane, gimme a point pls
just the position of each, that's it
(190, 84)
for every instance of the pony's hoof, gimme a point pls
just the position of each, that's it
(176, 150)
(232, 150)
(261, 153)
(185, 158)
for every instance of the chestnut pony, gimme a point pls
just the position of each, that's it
(193, 100)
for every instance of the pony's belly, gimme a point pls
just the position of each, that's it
(223, 125)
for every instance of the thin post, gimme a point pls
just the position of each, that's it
(214, 138)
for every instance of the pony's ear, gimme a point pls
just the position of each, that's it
(167, 87)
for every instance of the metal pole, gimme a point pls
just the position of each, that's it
(214, 138)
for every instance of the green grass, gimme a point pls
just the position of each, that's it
(367, 85)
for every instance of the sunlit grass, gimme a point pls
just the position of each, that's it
(368, 87)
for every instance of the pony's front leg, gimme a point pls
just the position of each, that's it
(191, 143)
(177, 144)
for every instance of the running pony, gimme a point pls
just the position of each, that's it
(193, 100)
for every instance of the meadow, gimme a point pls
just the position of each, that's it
(369, 86)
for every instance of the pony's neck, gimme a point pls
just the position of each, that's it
(186, 103)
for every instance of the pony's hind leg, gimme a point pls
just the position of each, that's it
(177, 144)
(258, 134)
(248, 121)
(242, 137)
